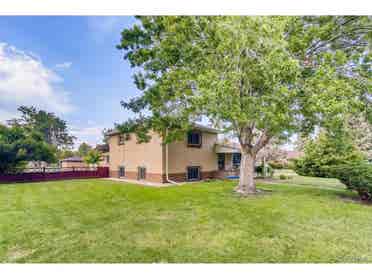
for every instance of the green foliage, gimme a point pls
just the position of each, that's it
(66, 153)
(283, 164)
(278, 165)
(260, 170)
(93, 157)
(19, 145)
(261, 72)
(258, 77)
(53, 129)
(357, 177)
(282, 177)
(84, 149)
(327, 150)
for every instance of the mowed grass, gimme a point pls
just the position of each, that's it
(106, 221)
(307, 180)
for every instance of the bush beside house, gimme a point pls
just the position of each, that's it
(357, 177)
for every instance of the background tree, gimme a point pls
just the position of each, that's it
(361, 131)
(258, 77)
(66, 153)
(19, 145)
(93, 157)
(327, 150)
(53, 129)
(84, 149)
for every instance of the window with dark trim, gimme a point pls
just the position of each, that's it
(121, 139)
(236, 158)
(108, 159)
(141, 174)
(121, 171)
(194, 139)
(193, 173)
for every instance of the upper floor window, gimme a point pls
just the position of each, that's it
(194, 139)
(121, 139)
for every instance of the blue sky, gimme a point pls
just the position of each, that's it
(66, 65)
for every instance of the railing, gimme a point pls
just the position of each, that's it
(46, 174)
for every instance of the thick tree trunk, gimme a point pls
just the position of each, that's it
(246, 181)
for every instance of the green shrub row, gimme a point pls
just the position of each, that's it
(278, 165)
(357, 177)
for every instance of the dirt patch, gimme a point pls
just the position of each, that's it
(16, 253)
(259, 193)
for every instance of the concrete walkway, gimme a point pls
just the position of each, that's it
(141, 182)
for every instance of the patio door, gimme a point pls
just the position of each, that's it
(221, 161)
(141, 173)
(121, 171)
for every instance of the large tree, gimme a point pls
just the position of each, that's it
(258, 77)
(53, 129)
(19, 145)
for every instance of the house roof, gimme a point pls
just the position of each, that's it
(73, 159)
(227, 147)
(200, 127)
(103, 147)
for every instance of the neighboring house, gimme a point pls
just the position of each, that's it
(73, 162)
(104, 149)
(198, 156)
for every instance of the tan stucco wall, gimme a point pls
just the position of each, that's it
(73, 165)
(181, 156)
(131, 155)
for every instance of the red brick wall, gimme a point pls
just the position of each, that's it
(157, 177)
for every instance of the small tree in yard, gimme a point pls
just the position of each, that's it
(257, 77)
(93, 157)
(84, 149)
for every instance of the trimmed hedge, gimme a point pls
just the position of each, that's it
(357, 177)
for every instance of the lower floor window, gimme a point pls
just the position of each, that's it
(236, 158)
(141, 173)
(121, 171)
(193, 173)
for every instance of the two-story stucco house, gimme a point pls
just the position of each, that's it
(198, 156)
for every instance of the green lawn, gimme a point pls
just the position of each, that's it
(106, 221)
(324, 183)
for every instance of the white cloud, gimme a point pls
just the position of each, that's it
(91, 135)
(25, 80)
(64, 65)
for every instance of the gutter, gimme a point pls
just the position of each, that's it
(166, 166)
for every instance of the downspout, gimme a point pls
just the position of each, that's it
(166, 165)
